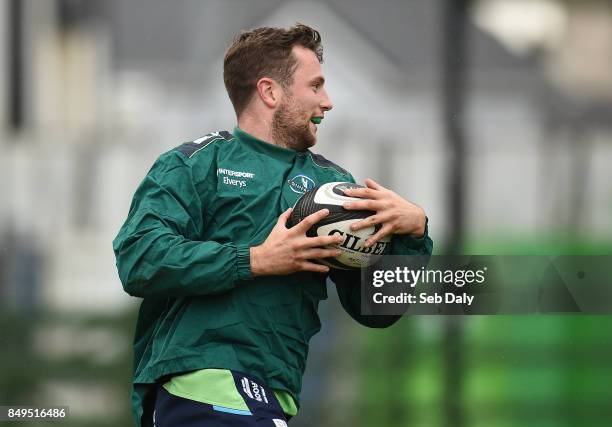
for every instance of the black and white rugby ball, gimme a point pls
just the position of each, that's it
(331, 196)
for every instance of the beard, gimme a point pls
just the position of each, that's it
(287, 129)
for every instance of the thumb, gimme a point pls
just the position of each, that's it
(284, 217)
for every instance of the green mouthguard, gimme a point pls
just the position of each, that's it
(316, 120)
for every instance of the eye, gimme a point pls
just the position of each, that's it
(316, 86)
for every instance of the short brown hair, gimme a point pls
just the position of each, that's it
(264, 52)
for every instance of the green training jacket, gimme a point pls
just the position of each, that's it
(184, 249)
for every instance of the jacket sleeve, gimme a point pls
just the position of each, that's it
(348, 282)
(157, 249)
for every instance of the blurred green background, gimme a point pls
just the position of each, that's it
(494, 115)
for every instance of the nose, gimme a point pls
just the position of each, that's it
(326, 103)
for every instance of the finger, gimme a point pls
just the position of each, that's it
(383, 232)
(320, 241)
(364, 193)
(317, 253)
(378, 218)
(367, 222)
(365, 205)
(311, 220)
(373, 184)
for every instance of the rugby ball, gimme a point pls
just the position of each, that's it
(331, 196)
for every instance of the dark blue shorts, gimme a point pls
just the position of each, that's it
(264, 409)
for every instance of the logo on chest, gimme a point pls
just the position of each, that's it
(301, 184)
(234, 178)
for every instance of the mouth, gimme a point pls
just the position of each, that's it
(316, 120)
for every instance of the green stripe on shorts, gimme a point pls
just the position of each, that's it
(211, 386)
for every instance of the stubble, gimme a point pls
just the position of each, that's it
(287, 128)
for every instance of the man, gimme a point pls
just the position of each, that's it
(230, 294)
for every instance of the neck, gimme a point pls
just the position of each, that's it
(259, 128)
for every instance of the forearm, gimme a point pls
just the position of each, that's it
(161, 264)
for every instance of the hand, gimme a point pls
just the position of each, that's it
(396, 214)
(287, 250)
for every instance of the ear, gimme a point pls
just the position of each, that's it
(269, 91)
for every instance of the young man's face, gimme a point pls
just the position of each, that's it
(305, 99)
